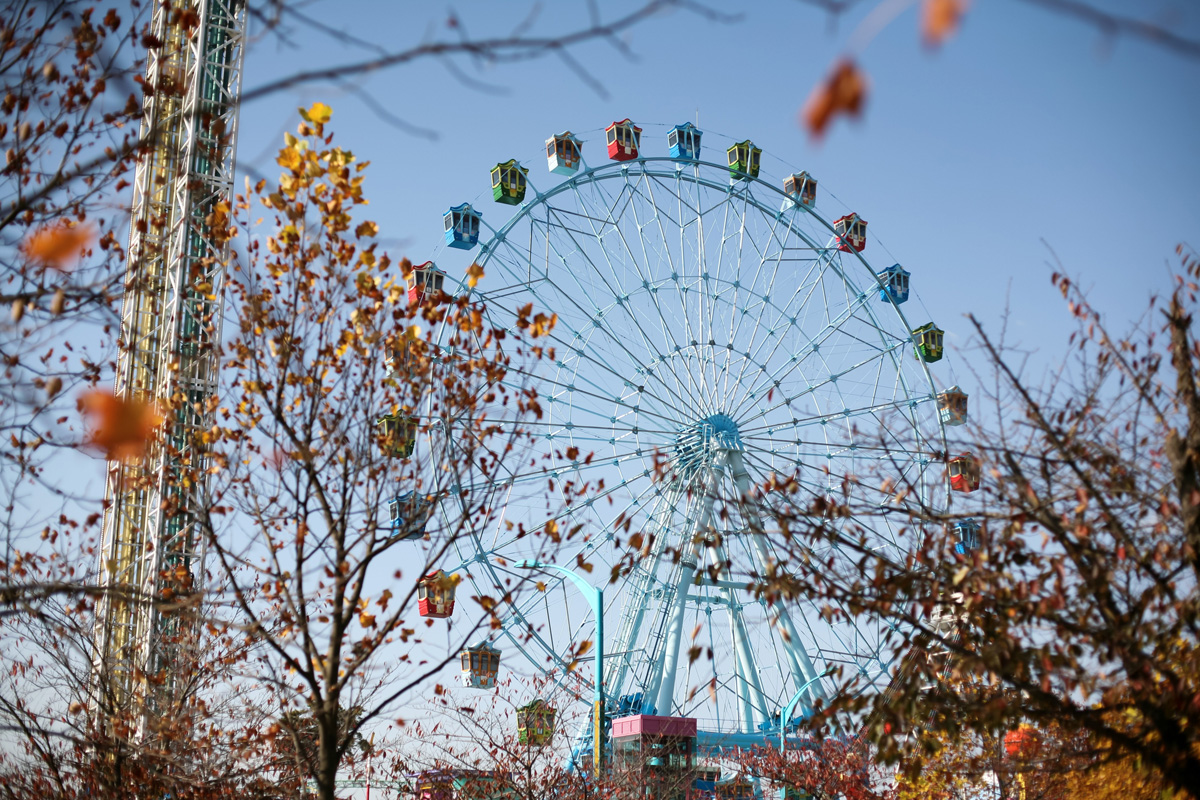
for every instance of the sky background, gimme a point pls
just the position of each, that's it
(1028, 137)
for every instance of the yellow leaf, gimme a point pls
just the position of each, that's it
(318, 114)
(366, 229)
(288, 158)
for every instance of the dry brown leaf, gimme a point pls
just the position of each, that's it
(58, 245)
(843, 92)
(940, 20)
(121, 428)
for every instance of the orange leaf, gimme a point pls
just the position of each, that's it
(474, 273)
(842, 92)
(121, 428)
(940, 19)
(58, 245)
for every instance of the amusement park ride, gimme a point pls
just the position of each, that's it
(714, 331)
(170, 332)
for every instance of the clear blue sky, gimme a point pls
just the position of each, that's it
(1028, 130)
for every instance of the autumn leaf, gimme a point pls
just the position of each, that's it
(940, 20)
(318, 114)
(842, 92)
(366, 229)
(120, 427)
(58, 245)
(474, 273)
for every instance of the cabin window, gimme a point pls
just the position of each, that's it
(550, 148)
(449, 221)
(496, 177)
(672, 139)
(754, 159)
(612, 135)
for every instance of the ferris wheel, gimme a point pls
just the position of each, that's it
(715, 333)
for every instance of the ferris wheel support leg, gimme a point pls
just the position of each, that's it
(754, 707)
(740, 670)
(802, 667)
(665, 679)
(634, 610)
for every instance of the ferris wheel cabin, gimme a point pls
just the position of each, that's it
(535, 723)
(462, 227)
(480, 666)
(426, 280)
(624, 138)
(408, 514)
(851, 231)
(964, 473)
(435, 595)
(509, 182)
(683, 142)
(928, 340)
(893, 284)
(966, 536)
(802, 187)
(397, 435)
(952, 406)
(744, 160)
(563, 153)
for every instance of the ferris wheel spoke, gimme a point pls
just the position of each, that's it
(809, 389)
(765, 432)
(612, 285)
(675, 272)
(751, 347)
(666, 325)
(564, 298)
(829, 326)
(602, 368)
(646, 285)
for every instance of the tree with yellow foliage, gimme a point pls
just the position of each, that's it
(356, 433)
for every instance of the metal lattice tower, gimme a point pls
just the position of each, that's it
(170, 338)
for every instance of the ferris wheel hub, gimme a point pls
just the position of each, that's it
(698, 444)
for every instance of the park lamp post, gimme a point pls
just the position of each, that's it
(596, 598)
(791, 706)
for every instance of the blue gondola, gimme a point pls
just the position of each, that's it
(683, 141)
(462, 226)
(409, 513)
(966, 536)
(893, 284)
